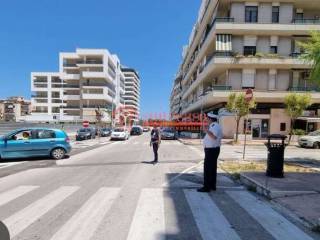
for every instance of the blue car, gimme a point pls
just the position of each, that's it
(35, 142)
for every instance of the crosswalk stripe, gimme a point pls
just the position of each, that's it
(279, 227)
(86, 220)
(148, 221)
(24, 218)
(211, 222)
(15, 193)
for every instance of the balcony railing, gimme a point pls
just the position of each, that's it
(295, 55)
(304, 89)
(306, 21)
(71, 86)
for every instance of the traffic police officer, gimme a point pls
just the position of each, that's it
(211, 144)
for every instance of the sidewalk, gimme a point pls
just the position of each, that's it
(188, 141)
(297, 192)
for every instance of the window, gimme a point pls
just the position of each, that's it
(251, 14)
(283, 127)
(274, 49)
(275, 14)
(249, 50)
(44, 134)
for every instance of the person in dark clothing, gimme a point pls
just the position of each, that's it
(155, 142)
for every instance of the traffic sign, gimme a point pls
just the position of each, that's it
(249, 94)
(85, 123)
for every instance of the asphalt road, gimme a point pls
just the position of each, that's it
(112, 192)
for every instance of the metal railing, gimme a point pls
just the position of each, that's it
(304, 89)
(306, 21)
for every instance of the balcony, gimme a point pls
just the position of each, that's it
(306, 21)
(71, 86)
(71, 76)
(71, 97)
(90, 62)
(98, 95)
(87, 74)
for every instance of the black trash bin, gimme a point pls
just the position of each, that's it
(275, 155)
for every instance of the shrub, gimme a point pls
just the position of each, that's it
(299, 132)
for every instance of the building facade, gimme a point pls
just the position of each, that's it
(132, 93)
(88, 80)
(236, 45)
(14, 109)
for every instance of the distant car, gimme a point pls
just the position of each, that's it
(168, 134)
(35, 142)
(105, 132)
(85, 133)
(310, 140)
(136, 131)
(119, 134)
(146, 129)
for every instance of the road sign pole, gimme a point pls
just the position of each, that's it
(248, 98)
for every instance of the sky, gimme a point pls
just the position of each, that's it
(147, 35)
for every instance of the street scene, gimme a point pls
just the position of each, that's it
(160, 120)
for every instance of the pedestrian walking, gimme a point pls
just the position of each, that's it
(155, 142)
(211, 144)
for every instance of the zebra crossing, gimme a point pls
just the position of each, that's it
(149, 218)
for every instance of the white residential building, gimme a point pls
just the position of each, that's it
(88, 79)
(241, 44)
(132, 93)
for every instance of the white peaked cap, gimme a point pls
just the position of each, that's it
(211, 115)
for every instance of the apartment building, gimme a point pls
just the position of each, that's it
(132, 93)
(87, 80)
(14, 109)
(237, 44)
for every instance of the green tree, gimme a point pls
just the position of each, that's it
(311, 54)
(295, 105)
(238, 105)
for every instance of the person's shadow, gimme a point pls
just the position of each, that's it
(146, 162)
(4, 232)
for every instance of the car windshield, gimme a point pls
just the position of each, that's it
(168, 130)
(119, 130)
(84, 130)
(316, 133)
(105, 129)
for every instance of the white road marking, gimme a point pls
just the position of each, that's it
(15, 193)
(148, 221)
(278, 226)
(86, 220)
(211, 222)
(9, 164)
(24, 218)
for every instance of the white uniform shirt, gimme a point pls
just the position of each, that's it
(209, 142)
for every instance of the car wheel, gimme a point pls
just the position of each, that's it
(316, 145)
(58, 153)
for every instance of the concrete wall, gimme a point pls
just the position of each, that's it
(286, 13)
(235, 76)
(263, 44)
(262, 79)
(237, 44)
(284, 46)
(265, 13)
(238, 12)
(283, 80)
(279, 116)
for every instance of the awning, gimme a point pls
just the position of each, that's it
(310, 119)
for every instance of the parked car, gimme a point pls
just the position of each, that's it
(35, 142)
(146, 129)
(85, 133)
(105, 132)
(136, 130)
(120, 134)
(310, 140)
(168, 134)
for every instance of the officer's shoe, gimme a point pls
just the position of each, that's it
(203, 189)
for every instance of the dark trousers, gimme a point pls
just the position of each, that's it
(210, 167)
(155, 151)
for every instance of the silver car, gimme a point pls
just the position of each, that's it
(310, 140)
